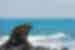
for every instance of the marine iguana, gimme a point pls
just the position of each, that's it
(18, 39)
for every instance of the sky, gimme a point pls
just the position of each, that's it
(37, 8)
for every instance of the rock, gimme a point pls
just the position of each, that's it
(40, 48)
(64, 48)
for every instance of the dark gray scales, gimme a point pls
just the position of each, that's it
(18, 39)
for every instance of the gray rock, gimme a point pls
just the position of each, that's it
(64, 48)
(40, 48)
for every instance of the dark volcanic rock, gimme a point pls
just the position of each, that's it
(40, 48)
(64, 48)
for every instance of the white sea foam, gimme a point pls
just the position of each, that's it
(51, 41)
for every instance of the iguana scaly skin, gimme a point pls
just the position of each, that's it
(18, 39)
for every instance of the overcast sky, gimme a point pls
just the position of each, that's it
(37, 8)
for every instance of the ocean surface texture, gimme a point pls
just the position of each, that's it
(52, 28)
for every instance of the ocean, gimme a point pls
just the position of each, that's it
(55, 31)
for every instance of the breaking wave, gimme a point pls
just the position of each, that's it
(57, 40)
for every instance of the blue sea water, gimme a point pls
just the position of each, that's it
(44, 27)
(40, 26)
